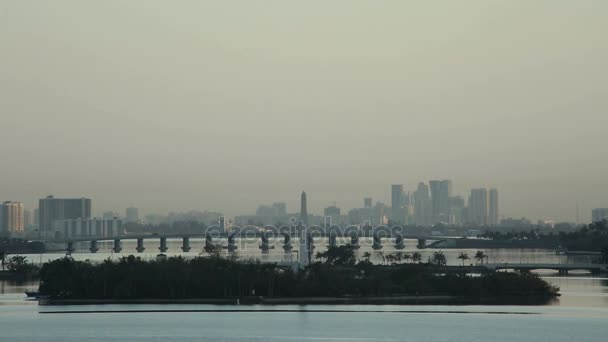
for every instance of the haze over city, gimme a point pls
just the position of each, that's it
(214, 106)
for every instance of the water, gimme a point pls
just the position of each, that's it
(580, 314)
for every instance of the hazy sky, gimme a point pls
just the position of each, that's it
(222, 105)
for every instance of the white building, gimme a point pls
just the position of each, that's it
(76, 228)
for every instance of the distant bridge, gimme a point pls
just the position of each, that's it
(561, 268)
(231, 237)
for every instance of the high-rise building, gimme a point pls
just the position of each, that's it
(441, 191)
(75, 228)
(422, 205)
(493, 211)
(132, 215)
(478, 206)
(456, 210)
(397, 212)
(36, 217)
(11, 217)
(51, 209)
(109, 215)
(367, 202)
(599, 214)
(303, 209)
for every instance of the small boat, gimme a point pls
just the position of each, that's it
(32, 294)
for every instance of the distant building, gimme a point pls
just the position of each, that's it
(52, 209)
(11, 217)
(367, 202)
(333, 213)
(423, 210)
(397, 209)
(27, 218)
(478, 207)
(36, 216)
(91, 227)
(303, 209)
(441, 191)
(132, 215)
(281, 208)
(456, 205)
(493, 210)
(599, 214)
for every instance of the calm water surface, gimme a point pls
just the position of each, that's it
(581, 314)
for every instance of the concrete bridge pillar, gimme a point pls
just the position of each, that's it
(70, 248)
(93, 248)
(287, 247)
(354, 241)
(332, 240)
(186, 244)
(377, 242)
(163, 245)
(231, 244)
(399, 244)
(208, 242)
(421, 244)
(140, 246)
(117, 246)
(265, 246)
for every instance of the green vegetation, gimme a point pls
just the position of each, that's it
(14, 246)
(593, 237)
(338, 275)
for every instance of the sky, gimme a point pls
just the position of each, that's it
(224, 105)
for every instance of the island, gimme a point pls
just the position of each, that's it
(337, 277)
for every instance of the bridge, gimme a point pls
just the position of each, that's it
(561, 268)
(264, 237)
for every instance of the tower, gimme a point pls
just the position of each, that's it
(493, 212)
(303, 209)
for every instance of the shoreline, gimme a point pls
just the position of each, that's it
(396, 300)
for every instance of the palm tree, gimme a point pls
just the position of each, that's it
(463, 256)
(407, 257)
(439, 258)
(416, 257)
(367, 256)
(399, 257)
(480, 255)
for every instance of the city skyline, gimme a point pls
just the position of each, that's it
(471, 207)
(155, 124)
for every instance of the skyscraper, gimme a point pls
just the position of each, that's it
(441, 191)
(397, 212)
(422, 205)
(303, 209)
(367, 202)
(478, 206)
(51, 209)
(333, 213)
(493, 212)
(11, 217)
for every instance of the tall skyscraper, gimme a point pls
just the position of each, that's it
(11, 217)
(303, 209)
(493, 211)
(132, 215)
(441, 191)
(397, 212)
(51, 209)
(422, 205)
(478, 206)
